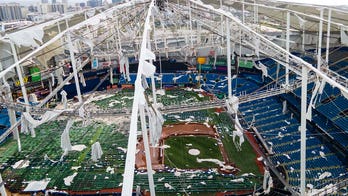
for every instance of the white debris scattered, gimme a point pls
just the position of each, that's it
(75, 168)
(291, 169)
(21, 164)
(160, 179)
(280, 135)
(126, 97)
(167, 185)
(79, 147)
(206, 124)
(313, 152)
(238, 180)
(186, 120)
(177, 77)
(110, 170)
(322, 154)
(210, 177)
(68, 180)
(160, 92)
(327, 190)
(177, 173)
(259, 158)
(189, 186)
(198, 90)
(287, 156)
(124, 150)
(119, 185)
(248, 174)
(188, 144)
(172, 96)
(164, 146)
(216, 161)
(324, 175)
(200, 95)
(37, 185)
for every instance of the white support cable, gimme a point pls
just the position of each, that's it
(229, 75)
(73, 64)
(308, 16)
(320, 39)
(303, 129)
(328, 36)
(128, 177)
(303, 37)
(287, 48)
(221, 23)
(190, 18)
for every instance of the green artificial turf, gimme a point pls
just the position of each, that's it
(245, 159)
(177, 156)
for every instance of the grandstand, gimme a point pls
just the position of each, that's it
(182, 97)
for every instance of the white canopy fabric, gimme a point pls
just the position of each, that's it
(65, 143)
(64, 99)
(29, 122)
(124, 67)
(156, 121)
(97, 152)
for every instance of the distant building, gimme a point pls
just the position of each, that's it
(64, 1)
(54, 1)
(44, 8)
(44, 1)
(94, 3)
(10, 11)
(82, 5)
(32, 8)
(58, 7)
(116, 1)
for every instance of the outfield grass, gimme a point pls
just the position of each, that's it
(245, 159)
(177, 155)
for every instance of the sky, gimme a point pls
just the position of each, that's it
(319, 2)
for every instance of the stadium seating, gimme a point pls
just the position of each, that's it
(280, 131)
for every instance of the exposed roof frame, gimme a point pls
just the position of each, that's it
(60, 35)
(294, 12)
(297, 60)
